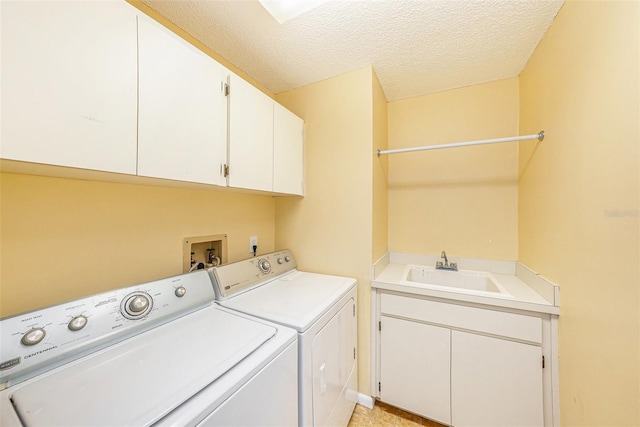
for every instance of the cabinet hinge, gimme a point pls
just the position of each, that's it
(354, 352)
(354, 309)
(542, 362)
(226, 171)
(379, 387)
(227, 89)
(380, 325)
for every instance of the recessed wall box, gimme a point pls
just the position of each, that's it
(198, 248)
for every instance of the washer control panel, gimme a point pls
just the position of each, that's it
(34, 342)
(237, 277)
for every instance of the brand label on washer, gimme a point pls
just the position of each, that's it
(10, 363)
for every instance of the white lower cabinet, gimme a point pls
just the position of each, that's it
(415, 364)
(460, 365)
(495, 382)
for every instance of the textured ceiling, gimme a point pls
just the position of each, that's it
(415, 47)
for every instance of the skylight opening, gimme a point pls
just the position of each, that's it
(286, 10)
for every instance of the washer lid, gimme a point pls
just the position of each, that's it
(138, 381)
(297, 299)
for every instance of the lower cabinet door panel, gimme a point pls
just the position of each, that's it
(495, 382)
(415, 368)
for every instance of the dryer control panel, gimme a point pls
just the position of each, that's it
(231, 279)
(34, 342)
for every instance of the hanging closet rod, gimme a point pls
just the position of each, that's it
(539, 136)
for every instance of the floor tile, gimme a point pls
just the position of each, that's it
(383, 415)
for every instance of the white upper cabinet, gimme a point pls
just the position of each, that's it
(265, 142)
(97, 85)
(69, 84)
(288, 152)
(182, 109)
(250, 137)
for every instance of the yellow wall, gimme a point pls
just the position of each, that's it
(330, 229)
(579, 202)
(380, 232)
(64, 238)
(462, 200)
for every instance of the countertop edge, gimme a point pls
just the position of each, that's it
(466, 298)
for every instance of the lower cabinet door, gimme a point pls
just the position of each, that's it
(495, 382)
(415, 368)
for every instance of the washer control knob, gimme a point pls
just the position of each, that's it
(280, 261)
(33, 337)
(137, 304)
(180, 291)
(264, 265)
(287, 258)
(77, 323)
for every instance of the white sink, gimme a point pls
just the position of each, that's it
(464, 281)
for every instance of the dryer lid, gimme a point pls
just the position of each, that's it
(297, 299)
(138, 381)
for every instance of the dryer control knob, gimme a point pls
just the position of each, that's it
(280, 261)
(264, 265)
(180, 291)
(287, 258)
(77, 323)
(33, 337)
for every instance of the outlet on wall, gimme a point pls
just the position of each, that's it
(253, 241)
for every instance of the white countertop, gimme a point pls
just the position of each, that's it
(525, 288)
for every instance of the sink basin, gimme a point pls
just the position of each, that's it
(467, 281)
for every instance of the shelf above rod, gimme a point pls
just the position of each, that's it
(539, 136)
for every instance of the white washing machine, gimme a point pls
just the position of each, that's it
(321, 308)
(161, 353)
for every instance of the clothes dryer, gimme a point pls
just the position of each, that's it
(321, 308)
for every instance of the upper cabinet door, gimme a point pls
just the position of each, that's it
(69, 84)
(250, 137)
(182, 109)
(288, 152)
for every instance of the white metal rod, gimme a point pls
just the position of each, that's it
(538, 136)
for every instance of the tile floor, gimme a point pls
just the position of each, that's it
(386, 415)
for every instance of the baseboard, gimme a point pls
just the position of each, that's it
(365, 400)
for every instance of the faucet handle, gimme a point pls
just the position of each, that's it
(439, 264)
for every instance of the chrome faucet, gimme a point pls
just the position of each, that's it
(446, 266)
